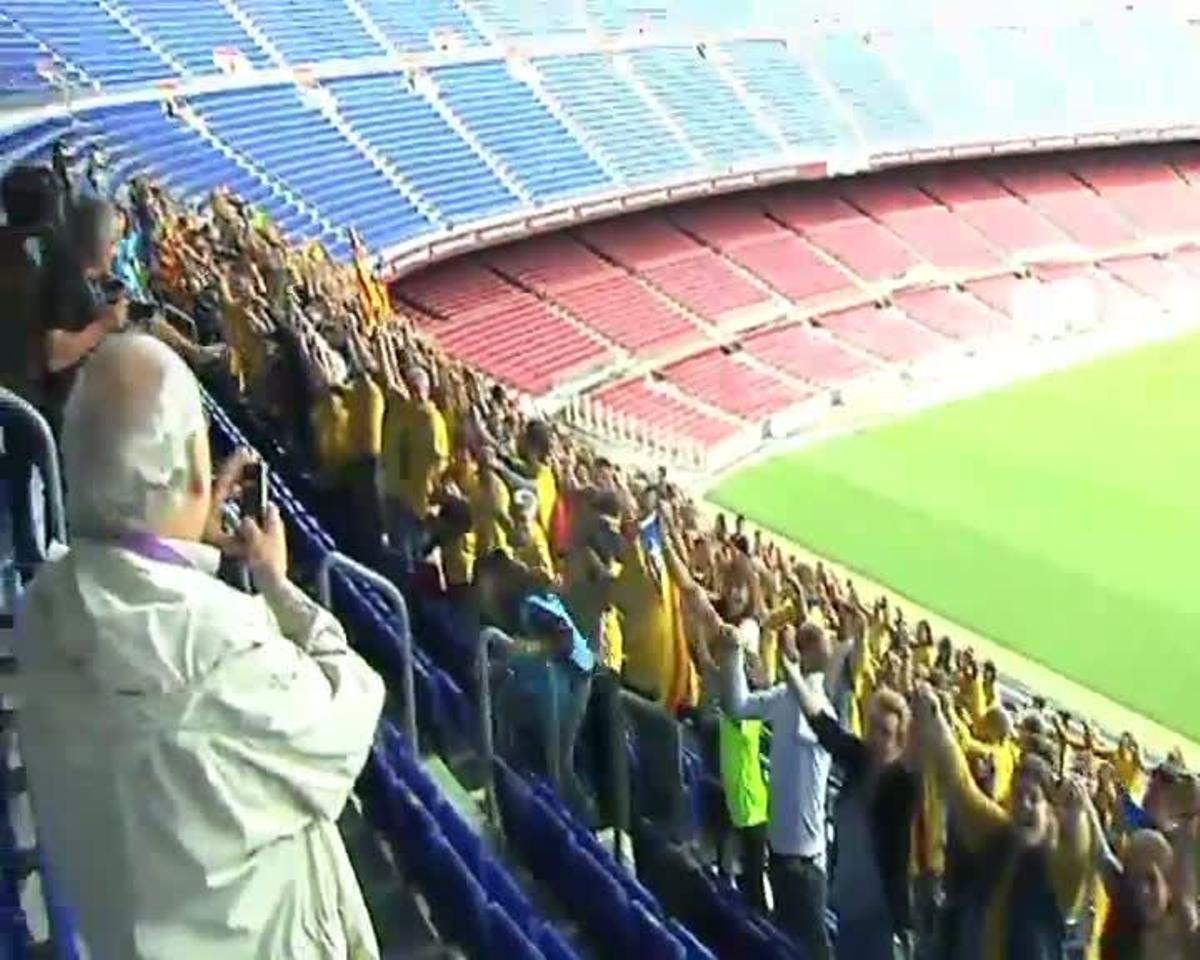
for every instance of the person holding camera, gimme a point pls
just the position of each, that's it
(189, 746)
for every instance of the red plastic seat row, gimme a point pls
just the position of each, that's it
(789, 265)
(929, 228)
(705, 284)
(627, 313)
(887, 333)
(808, 354)
(641, 401)
(550, 263)
(866, 247)
(738, 388)
(456, 289)
(524, 343)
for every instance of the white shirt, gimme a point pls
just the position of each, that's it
(799, 764)
(189, 749)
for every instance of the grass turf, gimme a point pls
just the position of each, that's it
(1059, 517)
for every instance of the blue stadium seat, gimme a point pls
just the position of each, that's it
(712, 115)
(192, 166)
(886, 115)
(505, 939)
(19, 56)
(419, 26)
(190, 30)
(625, 129)
(435, 160)
(457, 901)
(507, 19)
(295, 141)
(307, 32)
(502, 112)
(85, 35)
(652, 939)
(778, 79)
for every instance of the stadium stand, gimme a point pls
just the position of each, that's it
(694, 328)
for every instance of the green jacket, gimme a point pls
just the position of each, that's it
(741, 772)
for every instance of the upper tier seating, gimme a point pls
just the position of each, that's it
(85, 35)
(420, 26)
(190, 30)
(279, 131)
(405, 128)
(710, 112)
(143, 139)
(884, 111)
(304, 31)
(1034, 101)
(619, 123)
(513, 125)
(784, 87)
(19, 56)
(924, 59)
(531, 17)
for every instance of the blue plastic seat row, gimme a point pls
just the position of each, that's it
(610, 903)
(473, 900)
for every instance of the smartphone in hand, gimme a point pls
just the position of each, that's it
(253, 500)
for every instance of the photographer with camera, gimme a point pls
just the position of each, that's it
(82, 303)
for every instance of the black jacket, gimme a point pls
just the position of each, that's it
(892, 810)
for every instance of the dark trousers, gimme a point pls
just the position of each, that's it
(752, 880)
(801, 896)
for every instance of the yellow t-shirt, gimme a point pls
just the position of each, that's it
(331, 423)
(247, 348)
(490, 501)
(364, 407)
(416, 451)
(535, 552)
(587, 598)
(547, 494)
(645, 611)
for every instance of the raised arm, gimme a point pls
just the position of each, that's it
(847, 750)
(736, 697)
(1073, 857)
(978, 814)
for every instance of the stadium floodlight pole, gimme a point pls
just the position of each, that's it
(395, 598)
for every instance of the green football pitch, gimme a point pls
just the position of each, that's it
(1059, 517)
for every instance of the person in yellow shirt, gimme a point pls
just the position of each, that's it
(642, 595)
(491, 506)
(364, 445)
(532, 546)
(1032, 856)
(416, 451)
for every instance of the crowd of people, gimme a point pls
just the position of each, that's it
(963, 827)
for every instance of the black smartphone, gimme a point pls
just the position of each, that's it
(254, 492)
(113, 289)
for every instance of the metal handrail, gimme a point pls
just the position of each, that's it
(393, 595)
(47, 462)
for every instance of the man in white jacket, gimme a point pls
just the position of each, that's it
(189, 746)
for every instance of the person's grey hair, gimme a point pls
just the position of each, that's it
(128, 433)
